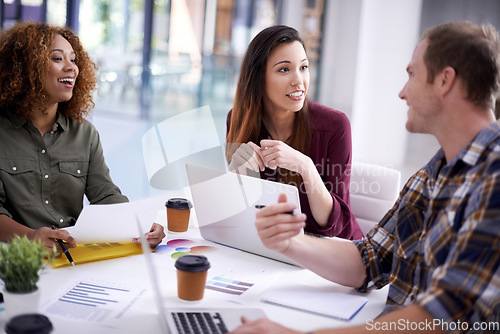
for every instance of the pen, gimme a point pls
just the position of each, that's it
(260, 206)
(64, 248)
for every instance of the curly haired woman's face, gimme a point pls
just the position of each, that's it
(63, 72)
(287, 78)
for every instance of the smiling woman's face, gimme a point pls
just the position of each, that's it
(63, 71)
(287, 78)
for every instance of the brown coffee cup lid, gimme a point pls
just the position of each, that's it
(192, 263)
(179, 204)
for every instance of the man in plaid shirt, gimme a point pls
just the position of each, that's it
(439, 245)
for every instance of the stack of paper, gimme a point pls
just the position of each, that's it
(106, 231)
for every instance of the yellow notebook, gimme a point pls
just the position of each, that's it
(84, 253)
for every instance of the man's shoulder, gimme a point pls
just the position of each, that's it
(490, 136)
(490, 142)
(491, 161)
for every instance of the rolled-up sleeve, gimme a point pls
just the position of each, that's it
(379, 249)
(377, 253)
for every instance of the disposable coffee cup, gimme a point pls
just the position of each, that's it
(178, 212)
(191, 277)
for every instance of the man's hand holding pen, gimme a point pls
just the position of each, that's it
(50, 237)
(47, 236)
(64, 248)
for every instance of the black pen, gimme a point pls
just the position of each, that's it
(64, 248)
(260, 206)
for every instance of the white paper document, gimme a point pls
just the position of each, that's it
(100, 300)
(115, 222)
(315, 300)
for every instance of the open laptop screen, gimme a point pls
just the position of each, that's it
(226, 204)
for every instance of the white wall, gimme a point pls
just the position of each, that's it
(388, 34)
(292, 14)
(339, 54)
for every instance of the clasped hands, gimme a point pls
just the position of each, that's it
(271, 154)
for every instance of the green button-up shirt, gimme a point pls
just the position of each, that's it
(43, 180)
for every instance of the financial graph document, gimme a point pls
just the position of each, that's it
(99, 299)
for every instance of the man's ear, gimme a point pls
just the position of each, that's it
(446, 80)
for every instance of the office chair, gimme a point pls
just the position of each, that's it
(373, 190)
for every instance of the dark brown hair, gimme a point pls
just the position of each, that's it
(25, 52)
(474, 53)
(248, 108)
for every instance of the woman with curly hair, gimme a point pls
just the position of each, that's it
(50, 155)
(275, 131)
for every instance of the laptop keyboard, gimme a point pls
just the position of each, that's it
(199, 322)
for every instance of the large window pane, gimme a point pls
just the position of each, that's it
(56, 12)
(112, 32)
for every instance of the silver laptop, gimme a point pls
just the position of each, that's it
(226, 203)
(180, 320)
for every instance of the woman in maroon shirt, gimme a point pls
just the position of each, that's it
(274, 130)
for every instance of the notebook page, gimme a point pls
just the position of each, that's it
(319, 301)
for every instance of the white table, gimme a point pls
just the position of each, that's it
(142, 316)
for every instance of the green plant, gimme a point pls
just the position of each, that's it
(20, 263)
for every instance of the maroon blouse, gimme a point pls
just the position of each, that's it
(330, 150)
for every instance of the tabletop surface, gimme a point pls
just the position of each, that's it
(137, 312)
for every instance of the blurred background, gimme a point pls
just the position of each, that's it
(160, 58)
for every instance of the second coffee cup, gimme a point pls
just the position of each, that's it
(191, 277)
(178, 212)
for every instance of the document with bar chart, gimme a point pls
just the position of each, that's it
(242, 277)
(93, 300)
(228, 285)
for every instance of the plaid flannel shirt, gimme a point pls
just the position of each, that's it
(439, 245)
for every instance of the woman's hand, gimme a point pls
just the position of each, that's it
(247, 156)
(154, 236)
(276, 153)
(276, 227)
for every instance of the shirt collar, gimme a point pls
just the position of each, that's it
(472, 152)
(61, 121)
(435, 164)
